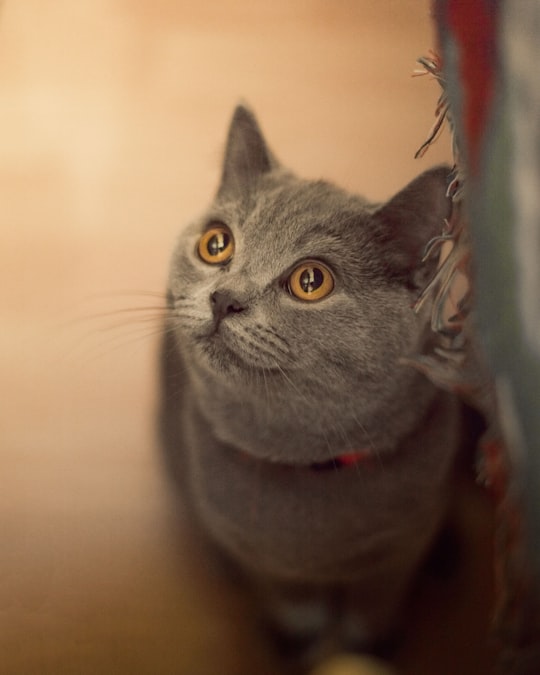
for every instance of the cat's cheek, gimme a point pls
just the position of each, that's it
(322, 320)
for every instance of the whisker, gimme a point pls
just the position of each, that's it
(160, 311)
(120, 341)
(124, 293)
(292, 385)
(265, 379)
(130, 322)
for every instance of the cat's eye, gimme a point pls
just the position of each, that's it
(311, 280)
(216, 246)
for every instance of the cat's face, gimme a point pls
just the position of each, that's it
(295, 286)
(288, 283)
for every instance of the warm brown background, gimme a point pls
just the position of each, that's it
(113, 115)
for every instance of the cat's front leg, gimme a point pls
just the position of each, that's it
(306, 625)
(299, 620)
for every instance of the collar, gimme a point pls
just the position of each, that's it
(347, 459)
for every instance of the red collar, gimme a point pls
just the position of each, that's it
(347, 459)
(350, 458)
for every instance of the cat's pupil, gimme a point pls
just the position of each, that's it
(218, 243)
(310, 279)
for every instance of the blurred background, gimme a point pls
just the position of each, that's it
(113, 120)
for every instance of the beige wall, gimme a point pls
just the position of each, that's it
(113, 115)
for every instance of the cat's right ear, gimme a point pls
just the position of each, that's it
(247, 156)
(411, 219)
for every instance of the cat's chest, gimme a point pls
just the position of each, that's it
(318, 523)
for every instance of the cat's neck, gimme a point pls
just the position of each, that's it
(284, 419)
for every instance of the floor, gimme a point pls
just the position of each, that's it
(113, 121)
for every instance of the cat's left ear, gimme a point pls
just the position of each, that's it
(247, 156)
(412, 218)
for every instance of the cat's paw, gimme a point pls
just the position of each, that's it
(299, 642)
(352, 664)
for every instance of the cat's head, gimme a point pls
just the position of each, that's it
(296, 286)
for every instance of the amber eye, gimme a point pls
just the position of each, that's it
(311, 280)
(216, 246)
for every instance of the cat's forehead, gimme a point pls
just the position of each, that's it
(293, 218)
(302, 202)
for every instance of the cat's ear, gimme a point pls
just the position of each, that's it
(411, 218)
(247, 156)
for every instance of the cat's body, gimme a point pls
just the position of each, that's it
(312, 457)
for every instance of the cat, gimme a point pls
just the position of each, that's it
(306, 451)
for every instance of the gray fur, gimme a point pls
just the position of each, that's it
(253, 401)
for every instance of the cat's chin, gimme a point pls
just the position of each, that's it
(215, 357)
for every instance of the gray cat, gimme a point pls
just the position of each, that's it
(306, 451)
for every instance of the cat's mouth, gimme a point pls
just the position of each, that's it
(224, 358)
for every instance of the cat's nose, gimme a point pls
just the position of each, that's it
(224, 303)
